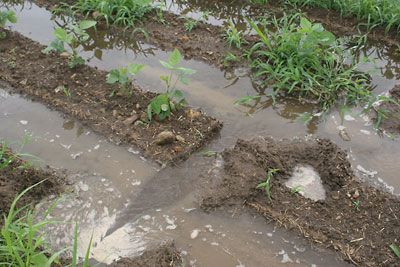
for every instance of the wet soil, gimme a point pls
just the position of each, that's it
(166, 255)
(391, 123)
(357, 220)
(18, 176)
(36, 75)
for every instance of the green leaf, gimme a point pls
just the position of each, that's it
(164, 107)
(39, 260)
(113, 76)
(305, 24)
(396, 250)
(62, 35)
(167, 65)
(11, 16)
(134, 69)
(149, 112)
(86, 24)
(175, 57)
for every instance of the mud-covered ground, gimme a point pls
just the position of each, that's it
(357, 220)
(391, 121)
(38, 76)
(166, 255)
(18, 176)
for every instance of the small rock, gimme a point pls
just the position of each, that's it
(184, 39)
(344, 135)
(164, 138)
(137, 106)
(180, 139)
(115, 113)
(131, 119)
(195, 233)
(23, 82)
(178, 149)
(193, 114)
(64, 55)
(356, 194)
(133, 112)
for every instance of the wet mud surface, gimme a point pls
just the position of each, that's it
(357, 220)
(38, 76)
(165, 255)
(18, 176)
(391, 123)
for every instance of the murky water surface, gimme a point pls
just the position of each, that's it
(129, 204)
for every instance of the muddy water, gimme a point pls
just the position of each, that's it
(120, 193)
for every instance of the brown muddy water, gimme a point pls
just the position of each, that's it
(129, 203)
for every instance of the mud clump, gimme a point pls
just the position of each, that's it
(355, 219)
(18, 176)
(166, 255)
(391, 123)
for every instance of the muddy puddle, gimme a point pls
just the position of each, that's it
(129, 203)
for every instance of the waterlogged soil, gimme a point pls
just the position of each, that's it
(166, 255)
(391, 123)
(44, 77)
(18, 176)
(357, 220)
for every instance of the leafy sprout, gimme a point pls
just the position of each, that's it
(266, 185)
(73, 37)
(121, 76)
(164, 104)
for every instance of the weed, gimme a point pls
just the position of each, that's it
(209, 153)
(396, 250)
(302, 59)
(267, 183)
(230, 58)
(73, 37)
(121, 77)
(21, 240)
(246, 100)
(164, 104)
(7, 157)
(296, 189)
(189, 24)
(6, 16)
(67, 92)
(233, 36)
(357, 204)
(259, 2)
(120, 12)
(374, 12)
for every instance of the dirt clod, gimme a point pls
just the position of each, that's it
(355, 219)
(165, 138)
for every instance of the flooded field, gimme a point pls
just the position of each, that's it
(128, 203)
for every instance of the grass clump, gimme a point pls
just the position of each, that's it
(120, 12)
(302, 59)
(374, 12)
(5, 17)
(22, 240)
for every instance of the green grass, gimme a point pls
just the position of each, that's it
(396, 250)
(266, 185)
(295, 57)
(120, 12)
(375, 12)
(22, 239)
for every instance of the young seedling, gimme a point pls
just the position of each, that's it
(357, 204)
(72, 37)
(164, 104)
(233, 36)
(296, 189)
(266, 184)
(230, 58)
(209, 153)
(121, 77)
(396, 250)
(189, 24)
(6, 16)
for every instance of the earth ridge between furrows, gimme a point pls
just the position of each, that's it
(44, 77)
(355, 219)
